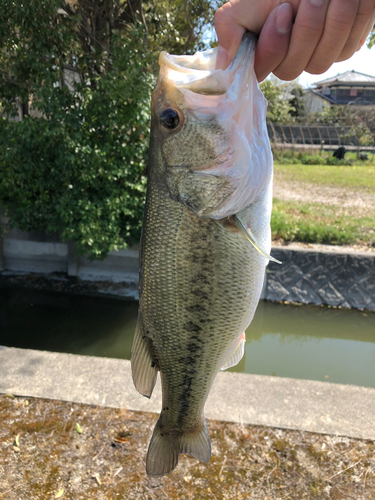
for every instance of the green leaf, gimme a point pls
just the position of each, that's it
(59, 494)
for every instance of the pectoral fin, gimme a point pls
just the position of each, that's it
(246, 231)
(144, 370)
(237, 354)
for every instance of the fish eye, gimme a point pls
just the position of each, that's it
(169, 118)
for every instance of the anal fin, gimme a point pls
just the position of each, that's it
(237, 354)
(144, 370)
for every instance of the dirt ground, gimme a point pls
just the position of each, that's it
(52, 449)
(363, 201)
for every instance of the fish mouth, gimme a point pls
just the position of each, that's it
(204, 62)
(197, 72)
(239, 166)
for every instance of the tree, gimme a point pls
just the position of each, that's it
(285, 100)
(337, 116)
(84, 70)
(355, 124)
(371, 39)
(297, 102)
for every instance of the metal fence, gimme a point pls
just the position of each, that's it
(311, 135)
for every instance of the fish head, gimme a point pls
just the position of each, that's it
(209, 142)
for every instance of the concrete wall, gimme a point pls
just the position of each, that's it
(306, 276)
(37, 252)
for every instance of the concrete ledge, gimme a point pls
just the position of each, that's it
(254, 399)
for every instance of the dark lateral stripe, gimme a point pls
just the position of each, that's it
(188, 380)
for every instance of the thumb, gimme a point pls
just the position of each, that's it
(229, 33)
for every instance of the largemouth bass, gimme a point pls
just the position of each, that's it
(205, 240)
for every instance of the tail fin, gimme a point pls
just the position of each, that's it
(197, 443)
(165, 447)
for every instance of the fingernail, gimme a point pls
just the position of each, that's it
(318, 3)
(222, 58)
(360, 45)
(284, 16)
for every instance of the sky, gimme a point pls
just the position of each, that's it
(362, 61)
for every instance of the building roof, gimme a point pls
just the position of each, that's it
(349, 77)
(324, 97)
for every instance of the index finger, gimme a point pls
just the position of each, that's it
(235, 17)
(307, 31)
(273, 41)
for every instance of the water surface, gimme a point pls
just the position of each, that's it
(305, 342)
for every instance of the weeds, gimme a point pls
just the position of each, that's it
(316, 223)
(290, 157)
(248, 462)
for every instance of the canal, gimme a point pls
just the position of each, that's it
(307, 342)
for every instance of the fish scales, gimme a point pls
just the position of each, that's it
(200, 278)
(189, 306)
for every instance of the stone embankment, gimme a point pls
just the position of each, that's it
(332, 276)
(324, 276)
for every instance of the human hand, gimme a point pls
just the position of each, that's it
(323, 32)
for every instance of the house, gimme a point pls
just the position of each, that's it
(349, 88)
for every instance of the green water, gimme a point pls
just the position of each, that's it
(287, 341)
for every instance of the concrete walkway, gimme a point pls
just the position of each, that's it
(253, 399)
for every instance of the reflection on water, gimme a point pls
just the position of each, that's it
(67, 323)
(312, 343)
(287, 341)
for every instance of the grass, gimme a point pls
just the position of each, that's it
(355, 177)
(351, 155)
(316, 157)
(317, 223)
(311, 222)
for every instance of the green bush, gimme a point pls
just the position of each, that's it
(78, 167)
(286, 157)
(293, 158)
(82, 174)
(307, 159)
